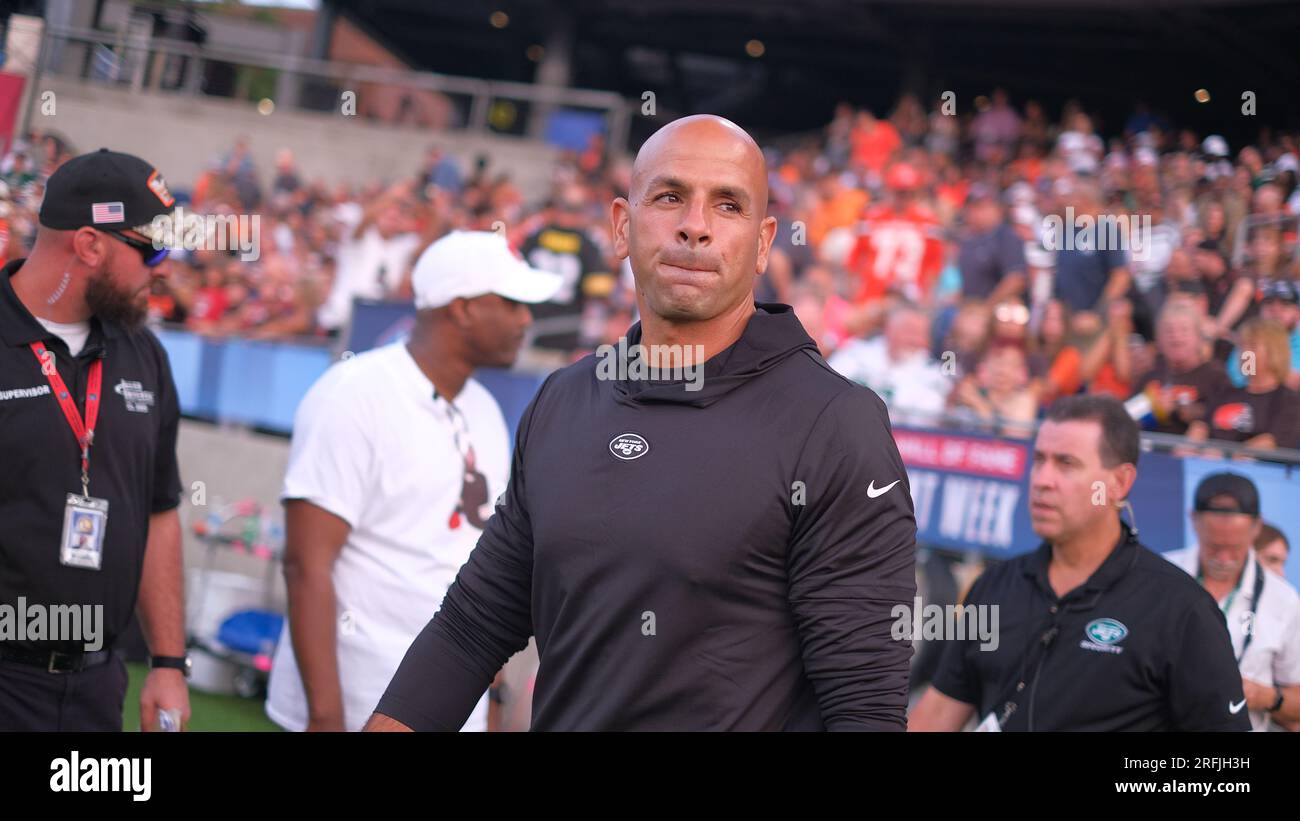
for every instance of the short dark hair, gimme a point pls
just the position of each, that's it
(1269, 534)
(1119, 433)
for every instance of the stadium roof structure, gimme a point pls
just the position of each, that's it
(698, 55)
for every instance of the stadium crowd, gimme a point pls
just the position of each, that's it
(975, 265)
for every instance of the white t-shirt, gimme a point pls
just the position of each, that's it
(370, 267)
(371, 445)
(914, 385)
(73, 334)
(1273, 657)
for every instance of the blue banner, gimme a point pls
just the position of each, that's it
(971, 492)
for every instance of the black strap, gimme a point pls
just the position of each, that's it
(1008, 700)
(1254, 608)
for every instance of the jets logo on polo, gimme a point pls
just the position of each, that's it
(629, 446)
(1102, 636)
(137, 399)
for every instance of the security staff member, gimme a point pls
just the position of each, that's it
(1262, 609)
(1097, 633)
(88, 496)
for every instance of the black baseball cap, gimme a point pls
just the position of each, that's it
(1241, 495)
(105, 189)
(1279, 289)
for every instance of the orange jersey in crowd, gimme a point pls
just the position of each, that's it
(897, 250)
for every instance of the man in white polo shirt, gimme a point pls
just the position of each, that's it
(1262, 608)
(397, 456)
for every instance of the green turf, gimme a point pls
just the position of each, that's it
(208, 713)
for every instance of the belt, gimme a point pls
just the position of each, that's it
(55, 661)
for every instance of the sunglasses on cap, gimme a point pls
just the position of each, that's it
(152, 256)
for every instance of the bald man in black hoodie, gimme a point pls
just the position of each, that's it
(721, 553)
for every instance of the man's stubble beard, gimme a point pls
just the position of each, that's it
(110, 303)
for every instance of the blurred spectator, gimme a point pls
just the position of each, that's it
(838, 204)
(440, 171)
(1272, 549)
(996, 130)
(897, 364)
(286, 179)
(239, 169)
(899, 246)
(1086, 277)
(968, 335)
(1280, 303)
(992, 255)
(1174, 393)
(874, 142)
(999, 395)
(375, 259)
(1080, 146)
(576, 315)
(1265, 413)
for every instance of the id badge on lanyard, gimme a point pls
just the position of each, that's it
(85, 517)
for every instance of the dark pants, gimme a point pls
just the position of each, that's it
(36, 700)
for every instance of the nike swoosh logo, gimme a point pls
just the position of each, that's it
(1236, 708)
(873, 491)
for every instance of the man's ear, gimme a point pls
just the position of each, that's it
(620, 216)
(1124, 477)
(90, 247)
(459, 311)
(766, 233)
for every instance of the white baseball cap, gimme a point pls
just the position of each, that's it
(472, 263)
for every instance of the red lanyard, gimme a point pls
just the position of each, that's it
(85, 432)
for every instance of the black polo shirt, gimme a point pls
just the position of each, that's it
(132, 462)
(1139, 646)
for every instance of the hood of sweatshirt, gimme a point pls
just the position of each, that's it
(772, 335)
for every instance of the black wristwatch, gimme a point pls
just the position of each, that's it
(181, 663)
(1277, 705)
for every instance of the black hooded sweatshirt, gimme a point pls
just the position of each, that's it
(713, 559)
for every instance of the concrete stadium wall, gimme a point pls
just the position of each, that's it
(182, 134)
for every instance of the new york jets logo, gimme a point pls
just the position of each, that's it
(629, 446)
(1106, 631)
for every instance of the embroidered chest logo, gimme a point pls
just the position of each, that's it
(1102, 636)
(137, 399)
(629, 446)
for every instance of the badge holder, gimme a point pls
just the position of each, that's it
(84, 521)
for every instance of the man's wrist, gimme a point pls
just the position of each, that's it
(1277, 700)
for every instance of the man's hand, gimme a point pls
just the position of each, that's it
(164, 689)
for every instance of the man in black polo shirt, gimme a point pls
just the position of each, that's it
(88, 496)
(1096, 634)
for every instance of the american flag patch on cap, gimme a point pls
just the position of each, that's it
(107, 212)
